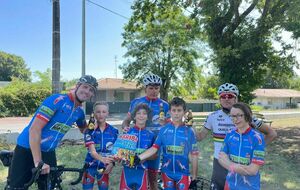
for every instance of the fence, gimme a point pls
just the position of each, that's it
(122, 107)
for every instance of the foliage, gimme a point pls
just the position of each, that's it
(188, 89)
(44, 78)
(295, 83)
(13, 66)
(241, 35)
(160, 39)
(22, 98)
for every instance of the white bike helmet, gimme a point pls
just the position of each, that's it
(152, 79)
(228, 88)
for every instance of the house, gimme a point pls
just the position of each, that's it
(117, 90)
(276, 98)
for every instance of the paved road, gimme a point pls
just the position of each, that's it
(11, 127)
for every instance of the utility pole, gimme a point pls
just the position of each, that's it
(116, 67)
(56, 47)
(83, 39)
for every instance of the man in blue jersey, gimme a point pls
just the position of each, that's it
(159, 110)
(37, 142)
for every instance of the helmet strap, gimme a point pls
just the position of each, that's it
(76, 97)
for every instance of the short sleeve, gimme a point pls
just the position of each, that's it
(208, 122)
(193, 147)
(49, 106)
(88, 138)
(258, 156)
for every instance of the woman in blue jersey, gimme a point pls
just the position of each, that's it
(243, 151)
(39, 139)
(99, 141)
(137, 177)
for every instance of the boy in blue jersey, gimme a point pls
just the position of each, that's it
(37, 142)
(243, 151)
(179, 148)
(137, 177)
(159, 117)
(99, 141)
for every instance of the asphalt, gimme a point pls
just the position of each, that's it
(10, 127)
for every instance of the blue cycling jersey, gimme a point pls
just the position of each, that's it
(145, 140)
(176, 144)
(155, 105)
(60, 113)
(103, 142)
(244, 149)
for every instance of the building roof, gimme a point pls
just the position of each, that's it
(278, 93)
(117, 84)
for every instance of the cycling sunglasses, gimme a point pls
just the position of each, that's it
(227, 96)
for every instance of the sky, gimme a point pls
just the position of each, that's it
(26, 31)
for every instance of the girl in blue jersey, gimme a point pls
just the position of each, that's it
(243, 151)
(137, 177)
(99, 141)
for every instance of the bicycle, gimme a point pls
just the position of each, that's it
(54, 179)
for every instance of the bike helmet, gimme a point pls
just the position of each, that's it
(152, 79)
(90, 80)
(228, 88)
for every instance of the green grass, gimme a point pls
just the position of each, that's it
(280, 172)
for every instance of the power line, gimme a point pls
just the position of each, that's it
(118, 14)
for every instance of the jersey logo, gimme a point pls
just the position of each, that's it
(177, 150)
(60, 128)
(58, 99)
(47, 111)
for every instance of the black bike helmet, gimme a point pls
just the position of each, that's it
(90, 80)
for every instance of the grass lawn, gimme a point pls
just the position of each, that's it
(281, 171)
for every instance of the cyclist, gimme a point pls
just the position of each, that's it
(220, 124)
(243, 151)
(159, 110)
(99, 141)
(178, 144)
(137, 177)
(37, 142)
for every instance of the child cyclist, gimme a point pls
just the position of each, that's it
(137, 177)
(99, 141)
(179, 147)
(243, 151)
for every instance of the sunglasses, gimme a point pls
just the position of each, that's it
(227, 96)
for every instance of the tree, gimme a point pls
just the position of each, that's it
(241, 33)
(162, 40)
(190, 90)
(13, 66)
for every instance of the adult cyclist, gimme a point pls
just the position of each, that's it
(219, 123)
(159, 110)
(37, 142)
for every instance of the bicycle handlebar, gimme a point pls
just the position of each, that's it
(56, 172)
(61, 169)
(35, 175)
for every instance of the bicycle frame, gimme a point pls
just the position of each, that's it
(53, 179)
